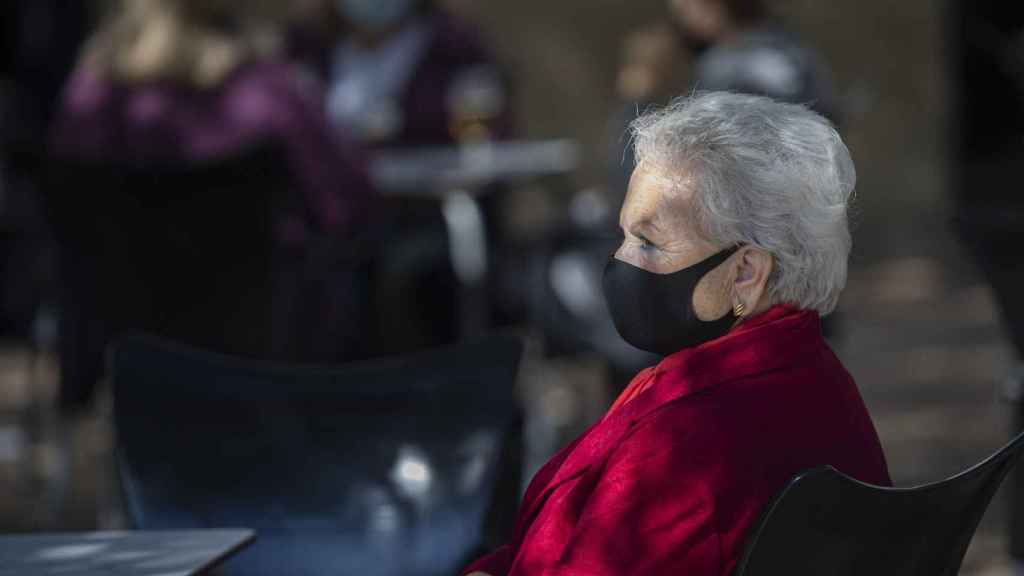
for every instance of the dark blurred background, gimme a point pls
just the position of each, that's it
(928, 95)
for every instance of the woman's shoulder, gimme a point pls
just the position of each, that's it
(87, 91)
(274, 94)
(677, 427)
(275, 78)
(86, 106)
(268, 81)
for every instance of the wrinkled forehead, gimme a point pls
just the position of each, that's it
(658, 198)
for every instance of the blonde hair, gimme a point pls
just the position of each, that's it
(197, 42)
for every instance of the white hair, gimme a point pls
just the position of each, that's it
(766, 174)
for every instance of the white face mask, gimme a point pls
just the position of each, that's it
(374, 14)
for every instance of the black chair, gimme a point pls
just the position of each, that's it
(179, 250)
(383, 468)
(826, 523)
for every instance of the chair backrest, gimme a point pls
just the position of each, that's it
(381, 468)
(824, 522)
(181, 250)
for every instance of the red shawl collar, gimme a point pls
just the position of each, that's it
(772, 340)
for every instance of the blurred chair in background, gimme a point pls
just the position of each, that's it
(401, 467)
(988, 99)
(169, 84)
(406, 75)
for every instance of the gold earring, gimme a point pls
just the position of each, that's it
(739, 310)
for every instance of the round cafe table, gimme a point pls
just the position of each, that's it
(458, 177)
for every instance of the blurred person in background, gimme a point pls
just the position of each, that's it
(404, 73)
(736, 242)
(184, 80)
(408, 75)
(738, 45)
(170, 82)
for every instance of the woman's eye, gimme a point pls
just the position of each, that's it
(645, 243)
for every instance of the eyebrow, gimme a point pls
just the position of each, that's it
(644, 227)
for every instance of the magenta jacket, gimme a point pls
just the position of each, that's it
(262, 101)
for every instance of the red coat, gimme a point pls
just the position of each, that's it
(671, 481)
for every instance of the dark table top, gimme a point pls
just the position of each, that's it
(119, 553)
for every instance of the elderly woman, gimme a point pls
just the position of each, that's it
(736, 242)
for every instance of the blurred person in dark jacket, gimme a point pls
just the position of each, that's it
(740, 47)
(405, 73)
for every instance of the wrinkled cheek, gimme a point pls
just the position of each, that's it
(711, 298)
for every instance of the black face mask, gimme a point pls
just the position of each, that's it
(654, 312)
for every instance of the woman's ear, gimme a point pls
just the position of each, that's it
(753, 268)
